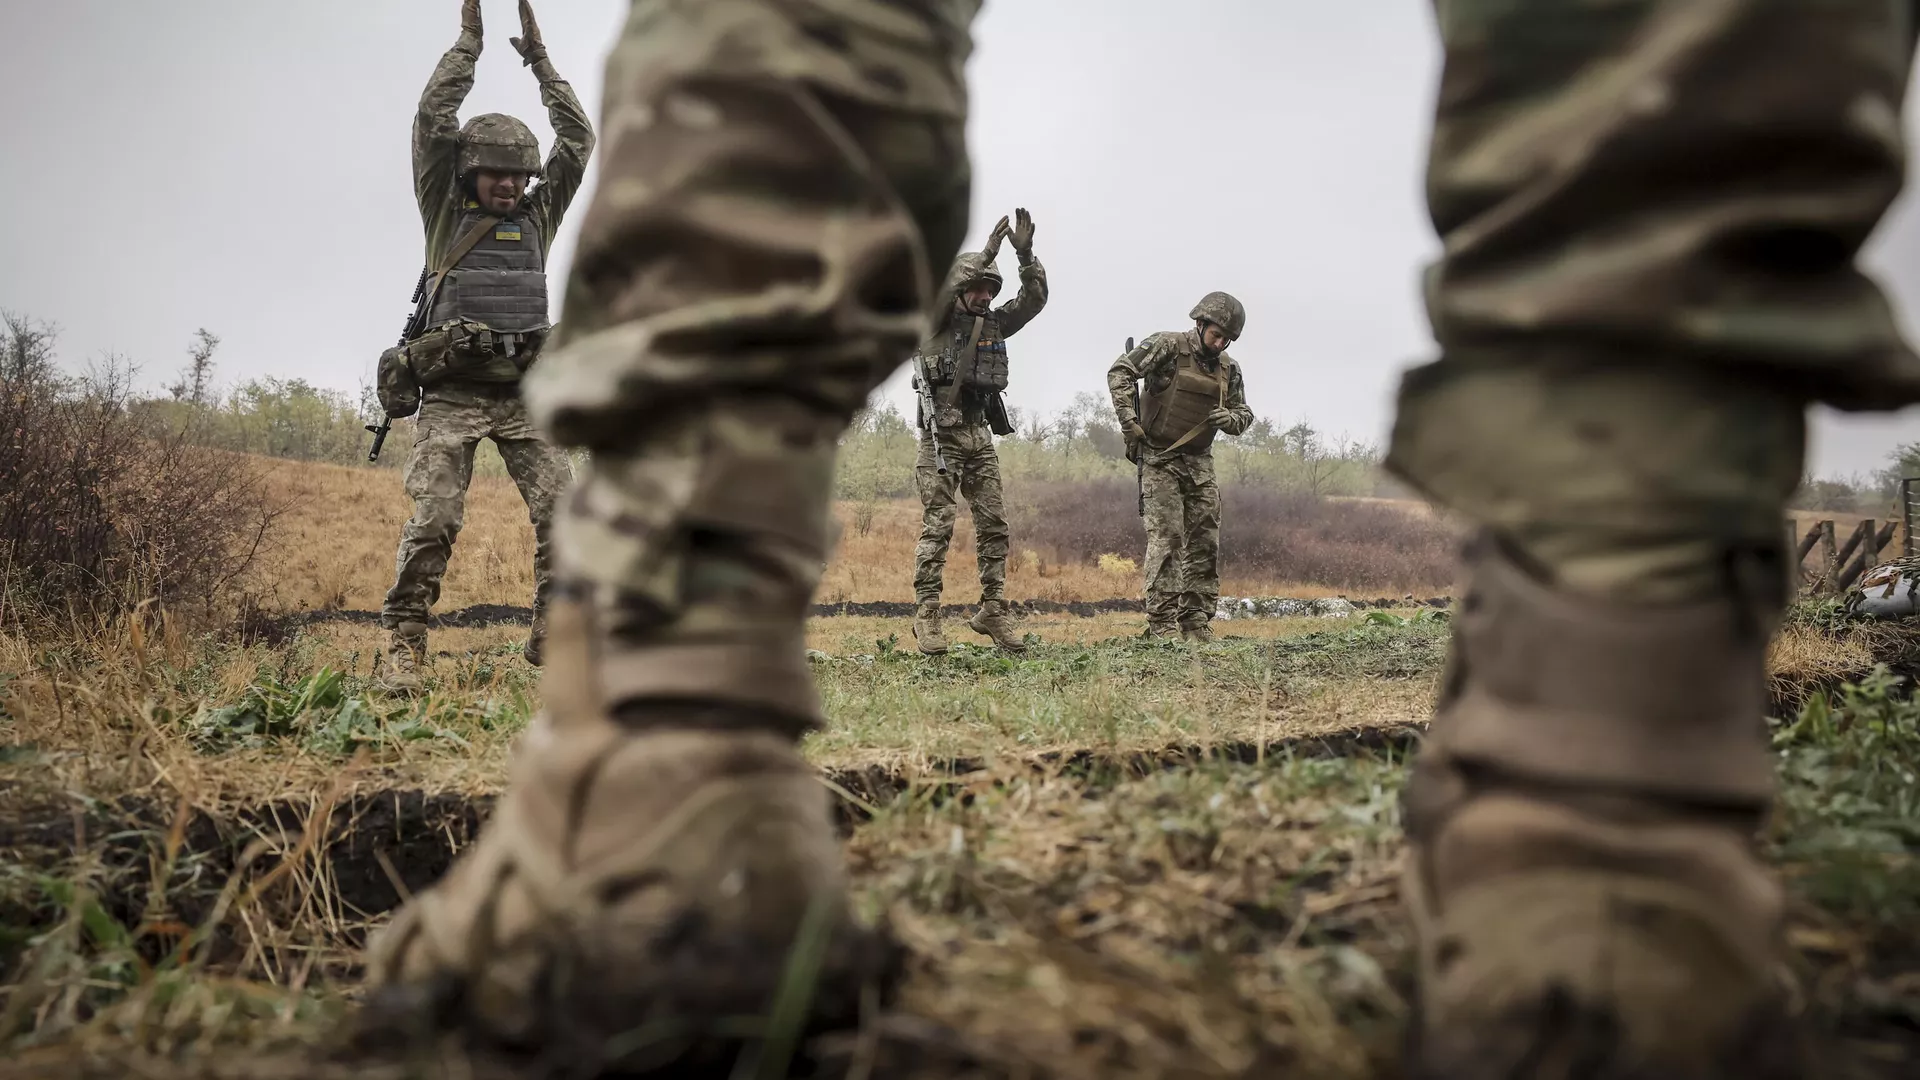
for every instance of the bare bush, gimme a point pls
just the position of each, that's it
(1292, 536)
(101, 513)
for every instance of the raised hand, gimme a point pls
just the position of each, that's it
(1022, 232)
(529, 44)
(994, 239)
(470, 18)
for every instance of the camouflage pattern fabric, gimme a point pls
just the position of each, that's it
(436, 148)
(1647, 339)
(1152, 362)
(455, 415)
(438, 471)
(1183, 540)
(973, 473)
(1182, 511)
(713, 391)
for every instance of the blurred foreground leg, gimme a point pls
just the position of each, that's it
(1651, 211)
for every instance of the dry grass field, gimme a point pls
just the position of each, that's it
(335, 547)
(1106, 857)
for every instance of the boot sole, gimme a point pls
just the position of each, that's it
(690, 996)
(1020, 648)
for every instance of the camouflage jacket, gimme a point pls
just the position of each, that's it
(1152, 362)
(436, 148)
(934, 360)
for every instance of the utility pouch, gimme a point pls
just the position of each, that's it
(395, 384)
(431, 356)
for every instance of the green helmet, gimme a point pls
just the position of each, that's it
(1223, 311)
(970, 267)
(498, 142)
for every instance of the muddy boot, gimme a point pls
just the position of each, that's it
(993, 621)
(1161, 630)
(927, 632)
(536, 640)
(406, 654)
(1198, 635)
(1585, 884)
(654, 866)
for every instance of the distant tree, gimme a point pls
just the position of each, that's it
(26, 348)
(195, 385)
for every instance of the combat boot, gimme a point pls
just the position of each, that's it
(1158, 630)
(1198, 635)
(536, 640)
(658, 864)
(993, 621)
(405, 655)
(926, 630)
(1585, 882)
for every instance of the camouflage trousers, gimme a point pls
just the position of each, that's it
(1627, 348)
(1183, 540)
(451, 423)
(1646, 336)
(783, 181)
(973, 473)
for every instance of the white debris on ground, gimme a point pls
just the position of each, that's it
(1891, 591)
(1271, 607)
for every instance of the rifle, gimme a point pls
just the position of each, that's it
(416, 323)
(1139, 452)
(927, 411)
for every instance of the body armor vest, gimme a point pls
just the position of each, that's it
(1185, 402)
(943, 357)
(501, 284)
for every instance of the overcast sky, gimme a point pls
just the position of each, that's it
(242, 165)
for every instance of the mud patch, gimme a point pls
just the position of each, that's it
(259, 627)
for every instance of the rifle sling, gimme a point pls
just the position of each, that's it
(467, 242)
(963, 366)
(1202, 425)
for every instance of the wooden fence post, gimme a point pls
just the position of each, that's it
(1829, 559)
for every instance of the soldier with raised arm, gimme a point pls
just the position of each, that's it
(488, 234)
(960, 371)
(1650, 213)
(1193, 389)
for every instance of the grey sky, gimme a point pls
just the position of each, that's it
(243, 165)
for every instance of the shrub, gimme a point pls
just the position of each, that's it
(101, 513)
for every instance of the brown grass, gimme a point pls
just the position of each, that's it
(335, 551)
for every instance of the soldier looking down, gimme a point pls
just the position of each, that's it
(1193, 389)
(487, 322)
(1639, 292)
(959, 372)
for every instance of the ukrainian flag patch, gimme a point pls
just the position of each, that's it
(507, 230)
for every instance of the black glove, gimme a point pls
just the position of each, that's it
(1022, 234)
(994, 239)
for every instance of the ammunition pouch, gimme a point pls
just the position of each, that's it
(466, 352)
(398, 390)
(987, 374)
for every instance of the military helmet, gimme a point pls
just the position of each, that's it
(498, 142)
(970, 267)
(1223, 311)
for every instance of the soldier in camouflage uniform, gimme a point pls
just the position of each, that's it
(1193, 389)
(1628, 349)
(486, 327)
(959, 372)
